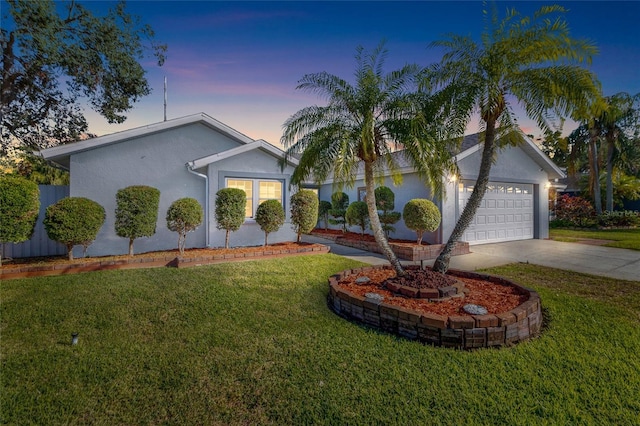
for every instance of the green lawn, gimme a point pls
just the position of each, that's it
(621, 238)
(254, 343)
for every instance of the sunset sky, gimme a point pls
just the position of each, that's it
(240, 61)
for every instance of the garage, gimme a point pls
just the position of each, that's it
(505, 214)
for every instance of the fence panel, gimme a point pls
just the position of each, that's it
(40, 244)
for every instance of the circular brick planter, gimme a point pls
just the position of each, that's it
(455, 331)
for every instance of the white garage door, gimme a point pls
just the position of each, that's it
(506, 212)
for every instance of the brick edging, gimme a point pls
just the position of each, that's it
(403, 251)
(155, 262)
(456, 331)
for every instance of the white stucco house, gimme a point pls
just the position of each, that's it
(192, 156)
(195, 156)
(515, 206)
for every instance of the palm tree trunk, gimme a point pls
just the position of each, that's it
(609, 191)
(374, 220)
(595, 170)
(442, 262)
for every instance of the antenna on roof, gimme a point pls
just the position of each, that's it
(165, 98)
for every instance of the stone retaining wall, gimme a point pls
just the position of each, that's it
(403, 251)
(454, 331)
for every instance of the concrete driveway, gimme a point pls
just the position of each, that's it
(597, 260)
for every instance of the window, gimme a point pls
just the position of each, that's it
(258, 191)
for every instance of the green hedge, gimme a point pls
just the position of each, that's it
(304, 212)
(270, 217)
(136, 212)
(73, 221)
(183, 216)
(19, 208)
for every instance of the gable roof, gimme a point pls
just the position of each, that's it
(259, 144)
(471, 144)
(60, 154)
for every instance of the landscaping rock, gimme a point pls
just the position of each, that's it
(474, 309)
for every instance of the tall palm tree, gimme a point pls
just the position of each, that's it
(360, 126)
(532, 60)
(621, 116)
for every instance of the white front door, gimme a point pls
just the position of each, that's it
(505, 214)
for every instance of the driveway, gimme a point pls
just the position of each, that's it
(596, 260)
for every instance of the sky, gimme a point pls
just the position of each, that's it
(240, 62)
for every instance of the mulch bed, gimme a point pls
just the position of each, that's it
(496, 298)
(58, 265)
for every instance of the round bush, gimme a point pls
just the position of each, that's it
(421, 215)
(73, 221)
(184, 215)
(358, 214)
(323, 212)
(270, 217)
(304, 212)
(385, 198)
(231, 204)
(136, 212)
(19, 208)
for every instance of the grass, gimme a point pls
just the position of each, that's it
(620, 238)
(254, 343)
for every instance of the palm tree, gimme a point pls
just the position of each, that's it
(621, 116)
(362, 123)
(532, 60)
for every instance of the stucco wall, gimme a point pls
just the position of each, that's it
(512, 165)
(255, 164)
(156, 160)
(411, 187)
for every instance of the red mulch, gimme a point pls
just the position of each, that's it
(496, 298)
(354, 236)
(188, 253)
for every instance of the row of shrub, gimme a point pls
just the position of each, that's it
(572, 211)
(420, 215)
(76, 221)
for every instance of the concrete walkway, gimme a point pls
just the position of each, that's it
(596, 260)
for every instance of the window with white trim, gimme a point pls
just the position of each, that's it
(258, 191)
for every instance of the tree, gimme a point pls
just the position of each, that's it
(54, 55)
(184, 215)
(339, 205)
(231, 204)
(421, 215)
(323, 212)
(270, 217)
(358, 214)
(304, 212)
(361, 125)
(19, 209)
(620, 119)
(530, 60)
(386, 201)
(74, 220)
(136, 212)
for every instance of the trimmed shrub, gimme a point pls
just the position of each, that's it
(184, 215)
(358, 214)
(136, 212)
(323, 212)
(385, 201)
(304, 212)
(19, 208)
(231, 204)
(73, 221)
(619, 219)
(574, 211)
(270, 217)
(421, 215)
(339, 205)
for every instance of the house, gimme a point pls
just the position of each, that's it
(515, 206)
(193, 156)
